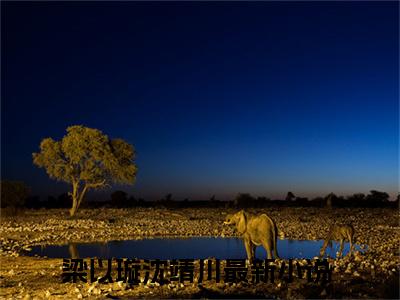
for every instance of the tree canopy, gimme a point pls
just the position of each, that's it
(87, 159)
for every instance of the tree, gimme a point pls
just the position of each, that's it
(167, 198)
(13, 193)
(330, 199)
(377, 198)
(87, 159)
(263, 201)
(357, 197)
(356, 200)
(244, 200)
(290, 196)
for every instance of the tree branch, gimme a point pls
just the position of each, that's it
(96, 185)
(82, 194)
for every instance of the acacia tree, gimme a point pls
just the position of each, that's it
(87, 159)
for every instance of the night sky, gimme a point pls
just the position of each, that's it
(217, 98)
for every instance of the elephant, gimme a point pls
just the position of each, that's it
(255, 231)
(338, 233)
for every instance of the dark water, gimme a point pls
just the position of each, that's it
(171, 248)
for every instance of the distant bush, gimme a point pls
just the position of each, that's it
(33, 202)
(290, 196)
(119, 199)
(376, 198)
(243, 200)
(13, 194)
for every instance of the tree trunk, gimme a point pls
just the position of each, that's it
(77, 198)
(82, 194)
(73, 251)
(75, 202)
(74, 208)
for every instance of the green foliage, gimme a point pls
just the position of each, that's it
(86, 154)
(13, 193)
(87, 159)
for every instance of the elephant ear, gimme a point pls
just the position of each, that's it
(242, 224)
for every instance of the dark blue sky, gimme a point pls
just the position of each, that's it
(217, 98)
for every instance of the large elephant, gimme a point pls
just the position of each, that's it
(255, 231)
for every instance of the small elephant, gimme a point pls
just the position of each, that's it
(255, 231)
(338, 233)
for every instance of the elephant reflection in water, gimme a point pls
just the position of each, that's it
(73, 250)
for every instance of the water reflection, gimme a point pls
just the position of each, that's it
(166, 248)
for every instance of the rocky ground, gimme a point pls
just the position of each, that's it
(371, 274)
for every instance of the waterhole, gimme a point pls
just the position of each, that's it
(179, 248)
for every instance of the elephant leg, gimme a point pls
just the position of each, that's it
(323, 248)
(276, 249)
(253, 251)
(268, 249)
(248, 246)
(341, 248)
(351, 248)
(351, 244)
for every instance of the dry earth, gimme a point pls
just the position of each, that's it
(372, 274)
